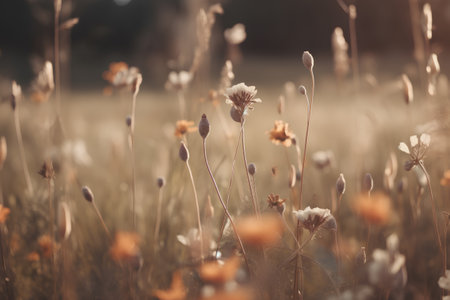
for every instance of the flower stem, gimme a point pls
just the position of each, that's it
(255, 206)
(21, 149)
(99, 215)
(158, 220)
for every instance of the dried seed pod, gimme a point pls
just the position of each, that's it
(3, 151)
(47, 170)
(292, 176)
(367, 185)
(129, 121)
(340, 185)
(302, 90)
(251, 169)
(87, 193)
(235, 114)
(203, 127)
(408, 93)
(160, 182)
(64, 221)
(184, 152)
(308, 60)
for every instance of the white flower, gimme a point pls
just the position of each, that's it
(178, 81)
(76, 150)
(313, 218)
(126, 77)
(323, 159)
(444, 281)
(242, 97)
(236, 34)
(419, 147)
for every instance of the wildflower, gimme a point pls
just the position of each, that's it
(263, 231)
(313, 218)
(160, 182)
(4, 213)
(192, 241)
(375, 209)
(275, 200)
(203, 127)
(183, 127)
(419, 147)
(121, 75)
(47, 245)
(445, 180)
(323, 159)
(177, 290)
(219, 271)
(125, 246)
(43, 86)
(444, 281)
(241, 97)
(236, 34)
(387, 270)
(178, 81)
(280, 134)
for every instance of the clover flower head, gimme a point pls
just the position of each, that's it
(313, 218)
(241, 97)
(417, 151)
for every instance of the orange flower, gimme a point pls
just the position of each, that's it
(182, 127)
(220, 273)
(33, 256)
(114, 68)
(125, 247)
(375, 209)
(445, 180)
(263, 231)
(176, 291)
(47, 245)
(280, 134)
(4, 213)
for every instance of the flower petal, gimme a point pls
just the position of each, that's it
(402, 147)
(413, 140)
(425, 139)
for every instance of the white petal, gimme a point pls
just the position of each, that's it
(413, 140)
(425, 139)
(402, 147)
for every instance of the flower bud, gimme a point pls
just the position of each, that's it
(409, 165)
(87, 193)
(203, 127)
(302, 90)
(367, 185)
(129, 121)
(340, 185)
(160, 182)
(308, 60)
(251, 169)
(235, 114)
(184, 152)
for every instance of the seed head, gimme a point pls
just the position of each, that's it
(340, 185)
(367, 185)
(160, 182)
(203, 127)
(3, 151)
(87, 193)
(184, 152)
(308, 60)
(251, 169)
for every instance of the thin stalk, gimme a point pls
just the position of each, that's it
(133, 162)
(200, 230)
(433, 208)
(241, 245)
(21, 150)
(56, 57)
(158, 220)
(6, 278)
(52, 232)
(99, 215)
(228, 192)
(255, 206)
(354, 45)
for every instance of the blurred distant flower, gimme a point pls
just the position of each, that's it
(340, 53)
(177, 291)
(76, 150)
(433, 70)
(323, 159)
(275, 201)
(241, 97)
(445, 180)
(47, 170)
(280, 134)
(178, 81)
(375, 208)
(121, 75)
(313, 218)
(183, 127)
(388, 270)
(427, 21)
(444, 281)
(33, 256)
(226, 76)
(4, 213)
(220, 271)
(236, 34)
(43, 85)
(125, 246)
(47, 245)
(263, 231)
(419, 147)
(390, 171)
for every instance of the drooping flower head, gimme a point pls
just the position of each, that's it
(280, 134)
(417, 151)
(313, 218)
(241, 97)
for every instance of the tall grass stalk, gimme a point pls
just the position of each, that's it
(57, 13)
(158, 218)
(21, 149)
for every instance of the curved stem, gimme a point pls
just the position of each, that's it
(354, 48)
(57, 64)
(200, 230)
(224, 206)
(99, 215)
(158, 220)
(21, 150)
(433, 208)
(255, 207)
(133, 162)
